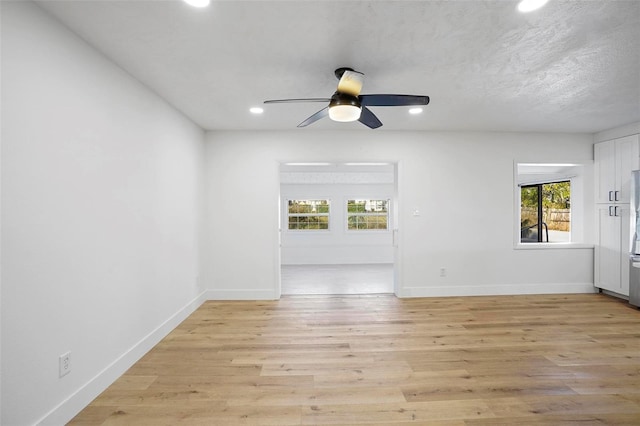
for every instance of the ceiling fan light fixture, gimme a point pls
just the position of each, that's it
(344, 113)
(344, 108)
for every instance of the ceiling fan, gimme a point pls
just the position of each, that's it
(347, 104)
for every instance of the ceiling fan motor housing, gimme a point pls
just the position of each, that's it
(340, 71)
(344, 107)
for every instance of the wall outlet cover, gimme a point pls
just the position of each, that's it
(65, 364)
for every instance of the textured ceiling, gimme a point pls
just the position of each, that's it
(573, 66)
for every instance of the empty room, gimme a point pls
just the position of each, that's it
(220, 212)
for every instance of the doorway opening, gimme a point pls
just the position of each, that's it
(337, 228)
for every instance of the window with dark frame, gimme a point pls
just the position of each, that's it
(545, 212)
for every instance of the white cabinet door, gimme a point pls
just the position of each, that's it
(626, 161)
(605, 171)
(607, 253)
(611, 270)
(614, 161)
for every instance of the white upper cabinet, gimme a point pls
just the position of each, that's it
(614, 161)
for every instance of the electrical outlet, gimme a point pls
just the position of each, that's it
(65, 364)
(443, 272)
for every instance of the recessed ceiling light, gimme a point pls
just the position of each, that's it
(197, 3)
(415, 111)
(531, 5)
(256, 110)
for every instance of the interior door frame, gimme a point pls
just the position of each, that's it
(396, 229)
(397, 234)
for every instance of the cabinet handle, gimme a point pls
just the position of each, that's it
(610, 195)
(615, 210)
(616, 195)
(610, 214)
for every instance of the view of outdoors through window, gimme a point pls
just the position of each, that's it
(545, 212)
(367, 214)
(308, 214)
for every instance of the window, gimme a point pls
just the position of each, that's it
(367, 214)
(545, 212)
(551, 205)
(308, 214)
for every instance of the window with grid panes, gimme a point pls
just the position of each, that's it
(308, 215)
(367, 214)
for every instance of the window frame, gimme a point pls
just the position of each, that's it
(288, 215)
(347, 214)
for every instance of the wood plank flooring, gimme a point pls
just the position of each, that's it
(351, 360)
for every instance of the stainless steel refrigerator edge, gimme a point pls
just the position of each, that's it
(634, 252)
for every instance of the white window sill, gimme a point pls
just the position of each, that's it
(368, 231)
(551, 246)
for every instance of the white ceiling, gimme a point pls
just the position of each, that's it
(573, 66)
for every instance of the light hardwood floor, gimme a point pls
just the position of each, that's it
(349, 360)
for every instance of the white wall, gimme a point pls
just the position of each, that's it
(336, 245)
(100, 202)
(462, 184)
(617, 132)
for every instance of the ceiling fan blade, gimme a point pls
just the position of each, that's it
(315, 117)
(393, 100)
(351, 82)
(369, 119)
(285, 101)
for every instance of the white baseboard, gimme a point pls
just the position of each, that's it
(215, 294)
(495, 290)
(70, 407)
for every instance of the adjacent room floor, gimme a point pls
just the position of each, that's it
(337, 279)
